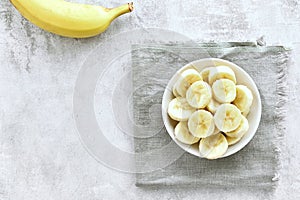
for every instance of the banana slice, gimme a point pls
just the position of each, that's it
(244, 98)
(212, 106)
(186, 79)
(241, 129)
(183, 135)
(224, 90)
(233, 140)
(201, 124)
(227, 117)
(246, 112)
(199, 94)
(213, 147)
(216, 131)
(221, 72)
(205, 73)
(175, 93)
(179, 109)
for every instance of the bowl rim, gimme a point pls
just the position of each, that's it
(169, 86)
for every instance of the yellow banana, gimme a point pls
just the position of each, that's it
(69, 19)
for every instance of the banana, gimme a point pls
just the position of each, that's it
(227, 117)
(175, 93)
(224, 90)
(69, 19)
(232, 140)
(214, 146)
(246, 112)
(201, 124)
(179, 109)
(186, 79)
(205, 73)
(212, 106)
(216, 131)
(183, 135)
(241, 129)
(221, 72)
(198, 94)
(244, 98)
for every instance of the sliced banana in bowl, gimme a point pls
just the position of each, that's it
(244, 98)
(186, 79)
(205, 73)
(212, 106)
(221, 72)
(240, 130)
(179, 109)
(214, 146)
(183, 134)
(224, 90)
(175, 93)
(227, 117)
(201, 124)
(198, 94)
(212, 109)
(232, 140)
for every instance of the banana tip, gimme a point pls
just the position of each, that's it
(130, 6)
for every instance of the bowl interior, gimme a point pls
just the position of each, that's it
(242, 78)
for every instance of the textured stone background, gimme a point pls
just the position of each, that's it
(41, 156)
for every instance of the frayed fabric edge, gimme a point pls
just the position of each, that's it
(281, 112)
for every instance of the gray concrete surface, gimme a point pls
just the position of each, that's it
(41, 156)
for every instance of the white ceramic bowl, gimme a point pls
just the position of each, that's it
(242, 78)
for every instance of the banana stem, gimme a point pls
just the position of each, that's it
(116, 12)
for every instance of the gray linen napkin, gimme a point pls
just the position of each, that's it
(256, 165)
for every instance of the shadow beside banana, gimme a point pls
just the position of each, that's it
(69, 19)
